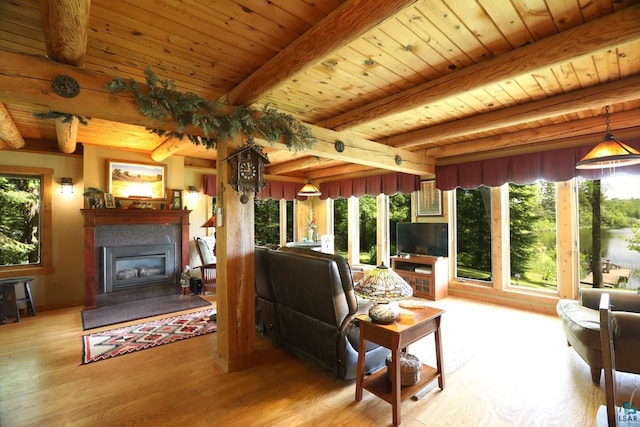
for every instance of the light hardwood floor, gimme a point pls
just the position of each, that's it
(506, 368)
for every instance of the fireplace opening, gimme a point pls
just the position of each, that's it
(127, 267)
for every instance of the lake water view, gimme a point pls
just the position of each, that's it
(614, 248)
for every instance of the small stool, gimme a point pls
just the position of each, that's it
(10, 304)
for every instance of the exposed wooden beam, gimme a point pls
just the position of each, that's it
(66, 25)
(604, 33)
(346, 23)
(26, 80)
(67, 134)
(295, 165)
(168, 147)
(346, 170)
(9, 133)
(591, 98)
(579, 132)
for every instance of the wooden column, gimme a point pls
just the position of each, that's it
(235, 272)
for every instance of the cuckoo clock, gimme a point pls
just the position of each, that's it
(246, 169)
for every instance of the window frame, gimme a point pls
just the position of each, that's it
(45, 265)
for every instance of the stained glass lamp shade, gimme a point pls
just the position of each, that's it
(383, 285)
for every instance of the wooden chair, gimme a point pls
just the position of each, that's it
(208, 267)
(618, 331)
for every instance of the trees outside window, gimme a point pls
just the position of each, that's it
(532, 231)
(25, 219)
(20, 219)
(473, 233)
(267, 221)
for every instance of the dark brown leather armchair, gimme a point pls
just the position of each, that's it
(310, 307)
(581, 324)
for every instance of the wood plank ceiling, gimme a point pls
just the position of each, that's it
(434, 81)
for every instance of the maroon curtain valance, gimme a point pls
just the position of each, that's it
(388, 184)
(552, 166)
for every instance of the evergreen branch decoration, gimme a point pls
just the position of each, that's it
(66, 118)
(162, 102)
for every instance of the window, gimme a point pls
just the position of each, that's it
(619, 219)
(341, 226)
(532, 230)
(267, 221)
(25, 220)
(368, 230)
(473, 234)
(399, 211)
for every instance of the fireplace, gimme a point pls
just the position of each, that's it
(144, 228)
(127, 267)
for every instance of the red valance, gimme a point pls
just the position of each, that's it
(388, 184)
(552, 166)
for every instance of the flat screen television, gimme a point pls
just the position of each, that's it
(422, 238)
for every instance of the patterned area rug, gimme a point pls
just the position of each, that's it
(116, 342)
(120, 313)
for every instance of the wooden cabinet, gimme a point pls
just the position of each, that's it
(427, 275)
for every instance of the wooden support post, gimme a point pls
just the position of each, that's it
(236, 272)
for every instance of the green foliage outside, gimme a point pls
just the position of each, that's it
(267, 221)
(19, 220)
(399, 211)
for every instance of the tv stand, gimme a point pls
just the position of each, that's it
(427, 275)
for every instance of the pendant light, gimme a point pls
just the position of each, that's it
(609, 153)
(309, 190)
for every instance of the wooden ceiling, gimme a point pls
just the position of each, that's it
(428, 82)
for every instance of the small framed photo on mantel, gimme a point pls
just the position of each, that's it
(429, 200)
(176, 199)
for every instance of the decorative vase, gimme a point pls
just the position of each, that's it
(310, 232)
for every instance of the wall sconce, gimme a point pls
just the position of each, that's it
(66, 186)
(192, 193)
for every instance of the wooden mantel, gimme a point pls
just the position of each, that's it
(95, 217)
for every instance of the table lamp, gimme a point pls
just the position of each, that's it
(383, 285)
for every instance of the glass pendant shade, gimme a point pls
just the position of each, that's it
(609, 153)
(309, 190)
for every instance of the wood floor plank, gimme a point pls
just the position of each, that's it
(510, 368)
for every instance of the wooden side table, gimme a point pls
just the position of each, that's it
(9, 303)
(396, 337)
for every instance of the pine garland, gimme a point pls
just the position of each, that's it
(66, 118)
(163, 101)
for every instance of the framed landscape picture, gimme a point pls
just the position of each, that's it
(129, 180)
(429, 201)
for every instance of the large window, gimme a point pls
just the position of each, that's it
(25, 219)
(619, 237)
(532, 231)
(473, 234)
(267, 222)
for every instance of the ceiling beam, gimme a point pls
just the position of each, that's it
(624, 125)
(604, 33)
(26, 80)
(346, 23)
(66, 25)
(9, 133)
(595, 97)
(295, 165)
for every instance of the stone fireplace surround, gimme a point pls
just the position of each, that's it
(112, 227)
